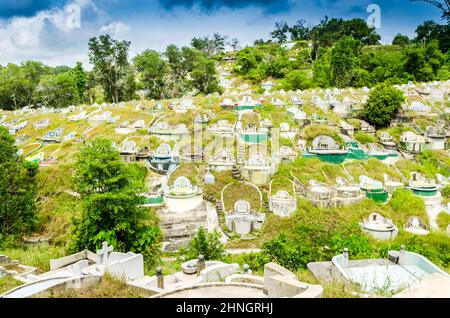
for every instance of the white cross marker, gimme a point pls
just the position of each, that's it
(104, 253)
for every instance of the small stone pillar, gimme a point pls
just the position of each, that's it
(246, 269)
(401, 257)
(346, 258)
(160, 278)
(200, 264)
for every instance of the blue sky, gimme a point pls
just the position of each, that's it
(50, 31)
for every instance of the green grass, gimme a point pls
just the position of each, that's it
(241, 191)
(364, 138)
(312, 168)
(282, 184)
(335, 227)
(36, 256)
(187, 170)
(8, 283)
(250, 119)
(311, 132)
(443, 220)
(221, 180)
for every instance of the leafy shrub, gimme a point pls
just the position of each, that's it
(364, 138)
(204, 243)
(383, 105)
(358, 245)
(111, 204)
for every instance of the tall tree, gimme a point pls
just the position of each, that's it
(235, 44)
(111, 66)
(18, 209)
(111, 203)
(18, 83)
(204, 78)
(210, 46)
(280, 32)
(424, 63)
(344, 61)
(58, 90)
(154, 72)
(300, 31)
(401, 40)
(329, 31)
(81, 80)
(430, 30)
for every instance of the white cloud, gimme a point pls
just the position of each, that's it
(36, 37)
(116, 29)
(54, 37)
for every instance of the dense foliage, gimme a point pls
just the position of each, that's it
(341, 53)
(114, 78)
(110, 193)
(383, 105)
(176, 72)
(204, 243)
(112, 68)
(18, 208)
(312, 235)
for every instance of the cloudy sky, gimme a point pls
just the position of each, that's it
(57, 31)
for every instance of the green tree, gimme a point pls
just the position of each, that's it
(111, 204)
(18, 209)
(212, 46)
(14, 87)
(383, 105)
(18, 83)
(246, 60)
(430, 30)
(329, 31)
(205, 243)
(280, 32)
(235, 44)
(322, 70)
(111, 67)
(155, 72)
(80, 78)
(297, 79)
(59, 90)
(343, 61)
(424, 63)
(300, 31)
(204, 78)
(401, 40)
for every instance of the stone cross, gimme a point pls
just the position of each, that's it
(104, 253)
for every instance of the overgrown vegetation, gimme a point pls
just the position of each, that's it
(110, 192)
(8, 283)
(204, 243)
(18, 208)
(316, 234)
(383, 105)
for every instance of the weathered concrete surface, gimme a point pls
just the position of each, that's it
(327, 272)
(280, 282)
(219, 272)
(216, 290)
(433, 286)
(278, 286)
